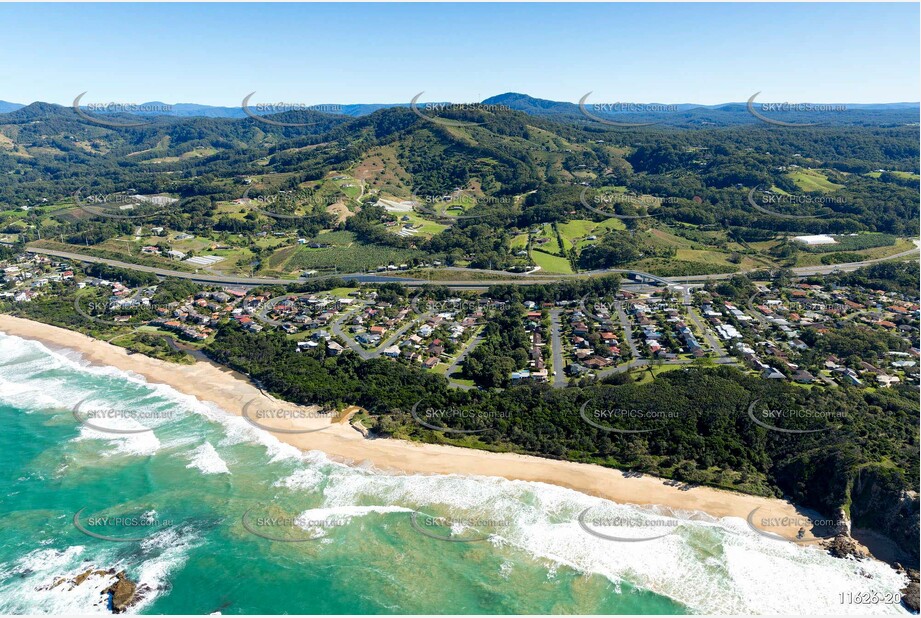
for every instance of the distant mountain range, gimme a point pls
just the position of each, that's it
(513, 100)
(7, 107)
(681, 113)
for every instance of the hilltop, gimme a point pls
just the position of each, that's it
(489, 187)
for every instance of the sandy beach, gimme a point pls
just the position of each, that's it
(232, 392)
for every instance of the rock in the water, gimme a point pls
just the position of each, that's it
(124, 592)
(910, 597)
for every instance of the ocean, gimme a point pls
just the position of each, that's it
(210, 514)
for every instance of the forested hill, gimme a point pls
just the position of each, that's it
(48, 152)
(692, 115)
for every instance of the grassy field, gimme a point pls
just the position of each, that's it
(812, 181)
(197, 153)
(680, 268)
(777, 190)
(576, 232)
(565, 241)
(702, 256)
(341, 292)
(351, 187)
(425, 228)
(519, 242)
(551, 263)
(355, 258)
(611, 224)
(815, 259)
(905, 175)
(664, 238)
(577, 228)
(648, 374)
(116, 253)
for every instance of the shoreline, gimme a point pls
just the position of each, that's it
(233, 392)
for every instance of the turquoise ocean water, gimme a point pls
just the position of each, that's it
(346, 539)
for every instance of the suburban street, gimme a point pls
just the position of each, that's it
(336, 328)
(758, 315)
(556, 341)
(477, 340)
(628, 330)
(698, 323)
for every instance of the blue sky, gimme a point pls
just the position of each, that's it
(378, 53)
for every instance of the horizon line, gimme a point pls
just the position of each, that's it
(450, 101)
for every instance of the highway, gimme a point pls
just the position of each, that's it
(509, 278)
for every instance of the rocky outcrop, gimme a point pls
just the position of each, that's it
(843, 525)
(872, 497)
(124, 593)
(118, 597)
(879, 502)
(910, 592)
(843, 546)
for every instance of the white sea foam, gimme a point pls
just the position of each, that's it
(28, 584)
(167, 551)
(349, 512)
(206, 459)
(320, 521)
(39, 595)
(709, 565)
(715, 566)
(307, 479)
